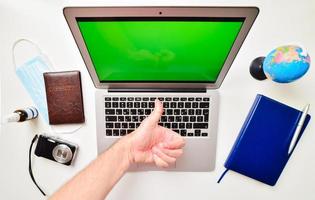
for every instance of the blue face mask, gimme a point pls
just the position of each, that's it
(31, 75)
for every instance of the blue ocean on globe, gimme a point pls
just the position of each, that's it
(286, 64)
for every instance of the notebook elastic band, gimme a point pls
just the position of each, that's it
(222, 175)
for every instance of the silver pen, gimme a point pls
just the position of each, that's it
(298, 128)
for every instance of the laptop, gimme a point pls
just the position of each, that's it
(177, 54)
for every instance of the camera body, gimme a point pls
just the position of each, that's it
(56, 149)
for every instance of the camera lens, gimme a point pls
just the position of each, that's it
(160, 13)
(62, 153)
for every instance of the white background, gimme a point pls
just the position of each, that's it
(42, 21)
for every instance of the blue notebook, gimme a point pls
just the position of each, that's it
(261, 149)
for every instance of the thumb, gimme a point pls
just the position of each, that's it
(157, 112)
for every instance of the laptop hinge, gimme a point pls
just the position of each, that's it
(177, 90)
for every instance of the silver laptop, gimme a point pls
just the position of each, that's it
(177, 54)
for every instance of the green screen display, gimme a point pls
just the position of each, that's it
(192, 50)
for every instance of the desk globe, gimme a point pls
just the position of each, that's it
(283, 64)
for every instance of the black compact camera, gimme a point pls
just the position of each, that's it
(55, 149)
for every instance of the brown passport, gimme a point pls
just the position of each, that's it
(64, 97)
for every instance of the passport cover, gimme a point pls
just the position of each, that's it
(261, 149)
(64, 97)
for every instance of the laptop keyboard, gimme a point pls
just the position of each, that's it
(188, 116)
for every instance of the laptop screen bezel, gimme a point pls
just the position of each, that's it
(73, 13)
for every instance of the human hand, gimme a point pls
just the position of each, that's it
(152, 143)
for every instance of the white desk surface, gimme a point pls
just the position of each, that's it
(42, 21)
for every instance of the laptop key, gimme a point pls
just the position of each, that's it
(138, 99)
(109, 132)
(167, 125)
(130, 98)
(135, 118)
(187, 105)
(169, 112)
(181, 125)
(183, 112)
(117, 125)
(144, 104)
(204, 105)
(142, 117)
(133, 111)
(118, 111)
(183, 133)
(147, 111)
(126, 111)
(199, 119)
(191, 112)
(205, 111)
(151, 105)
(122, 104)
(108, 98)
(192, 118)
(198, 111)
(129, 105)
(123, 132)
(132, 125)
(190, 134)
(121, 118)
(116, 132)
(189, 125)
(174, 125)
(173, 105)
(168, 99)
(140, 112)
(170, 118)
(109, 125)
(115, 98)
(163, 119)
(166, 104)
(200, 125)
(115, 104)
(128, 118)
(107, 105)
(176, 112)
(124, 125)
(109, 111)
(185, 118)
(197, 133)
(191, 99)
(204, 134)
(176, 130)
(111, 118)
(137, 104)
(129, 131)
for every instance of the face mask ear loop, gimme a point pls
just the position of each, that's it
(37, 48)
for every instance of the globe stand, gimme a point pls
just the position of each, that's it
(256, 69)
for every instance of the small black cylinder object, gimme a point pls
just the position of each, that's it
(256, 69)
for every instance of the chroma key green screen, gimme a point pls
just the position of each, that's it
(159, 49)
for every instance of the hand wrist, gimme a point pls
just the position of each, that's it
(124, 145)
